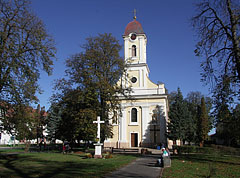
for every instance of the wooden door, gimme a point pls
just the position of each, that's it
(134, 140)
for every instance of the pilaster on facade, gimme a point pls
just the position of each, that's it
(126, 50)
(144, 79)
(123, 126)
(145, 123)
(140, 78)
(142, 47)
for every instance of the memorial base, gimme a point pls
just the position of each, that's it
(166, 161)
(98, 150)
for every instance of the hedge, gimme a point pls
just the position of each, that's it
(212, 149)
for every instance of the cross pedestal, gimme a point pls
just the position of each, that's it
(98, 145)
(98, 150)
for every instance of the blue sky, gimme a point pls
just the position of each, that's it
(170, 46)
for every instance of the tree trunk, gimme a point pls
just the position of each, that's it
(27, 146)
(234, 21)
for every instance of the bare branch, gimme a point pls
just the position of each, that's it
(217, 25)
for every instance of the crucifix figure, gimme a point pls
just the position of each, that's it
(155, 123)
(98, 130)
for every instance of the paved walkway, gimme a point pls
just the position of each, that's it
(142, 167)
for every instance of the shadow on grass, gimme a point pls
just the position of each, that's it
(29, 166)
(203, 158)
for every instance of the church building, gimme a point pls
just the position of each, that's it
(143, 117)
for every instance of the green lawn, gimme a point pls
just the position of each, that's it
(9, 150)
(200, 165)
(58, 165)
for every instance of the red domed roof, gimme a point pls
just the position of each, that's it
(133, 27)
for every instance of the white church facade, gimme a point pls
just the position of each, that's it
(143, 117)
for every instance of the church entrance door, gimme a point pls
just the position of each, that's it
(134, 140)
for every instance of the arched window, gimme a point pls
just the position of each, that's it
(134, 115)
(134, 51)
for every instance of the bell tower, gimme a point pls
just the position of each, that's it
(135, 43)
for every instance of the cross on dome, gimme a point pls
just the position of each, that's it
(134, 14)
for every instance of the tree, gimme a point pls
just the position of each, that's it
(25, 48)
(40, 116)
(19, 121)
(181, 124)
(235, 126)
(95, 72)
(193, 100)
(228, 125)
(217, 23)
(189, 127)
(171, 97)
(194, 106)
(25, 123)
(203, 123)
(76, 117)
(53, 120)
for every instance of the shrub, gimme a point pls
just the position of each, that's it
(107, 155)
(79, 152)
(88, 155)
(213, 149)
(192, 149)
(226, 150)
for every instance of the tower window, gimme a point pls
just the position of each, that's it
(134, 51)
(134, 115)
(133, 36)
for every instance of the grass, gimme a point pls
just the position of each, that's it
(203, 165)
(11, 150)
(58, 165)
(13, 146)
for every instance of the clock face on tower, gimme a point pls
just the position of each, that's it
(133, 36)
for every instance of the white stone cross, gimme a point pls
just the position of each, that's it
(98, 131)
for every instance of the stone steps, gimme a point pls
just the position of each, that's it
(125, 150)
